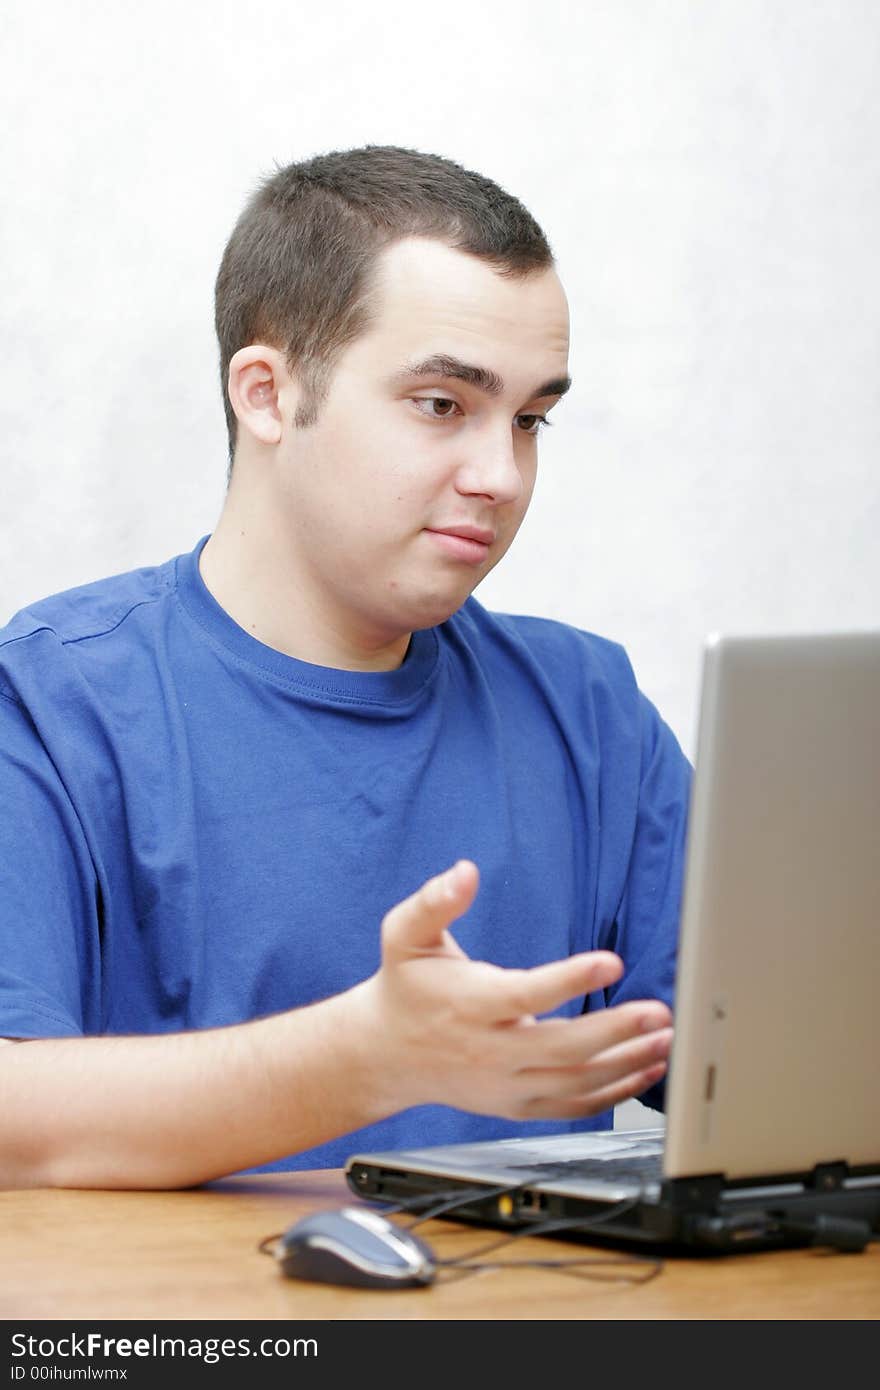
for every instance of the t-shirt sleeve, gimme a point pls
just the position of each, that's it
(645, 931)
(48, 896)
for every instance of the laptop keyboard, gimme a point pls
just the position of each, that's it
(641, 1168)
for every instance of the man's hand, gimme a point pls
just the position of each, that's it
(464, 1033)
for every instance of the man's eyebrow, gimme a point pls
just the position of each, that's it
(442, 365)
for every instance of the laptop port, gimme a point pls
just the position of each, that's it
(530, 1203)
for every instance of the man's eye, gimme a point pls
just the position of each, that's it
(444, 407)
(441, 408)
(532, 424)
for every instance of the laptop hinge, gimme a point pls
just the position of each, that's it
(827, 1177)
(693, 1194)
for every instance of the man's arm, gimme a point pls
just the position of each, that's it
(430, 1026)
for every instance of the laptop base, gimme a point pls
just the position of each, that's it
(688, 1216)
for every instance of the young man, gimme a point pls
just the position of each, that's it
(218, 776)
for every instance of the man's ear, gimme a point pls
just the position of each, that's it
(257, 378)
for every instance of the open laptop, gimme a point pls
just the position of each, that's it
(772, 1134)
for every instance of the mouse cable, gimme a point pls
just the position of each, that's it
(426, 1204)
(600, 1269)
(557, 1226)
(595, 1267)
(449, 1199)
(267, 1244)
(650, 1264)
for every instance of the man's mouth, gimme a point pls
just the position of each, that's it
(467, 543)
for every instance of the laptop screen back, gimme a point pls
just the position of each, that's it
(777, 1013)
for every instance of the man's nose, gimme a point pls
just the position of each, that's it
(491, 468)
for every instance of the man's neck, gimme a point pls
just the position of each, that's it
(248, 567)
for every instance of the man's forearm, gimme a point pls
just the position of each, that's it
(179, 1109)
(430, 1027)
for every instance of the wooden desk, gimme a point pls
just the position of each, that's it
(179, 1255)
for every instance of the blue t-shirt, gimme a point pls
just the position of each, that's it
(198, 830)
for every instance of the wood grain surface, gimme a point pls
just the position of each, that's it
(179, 1255)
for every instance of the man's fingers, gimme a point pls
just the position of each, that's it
(419, 922)
(561, 1042)
(604, 1069)
(550, 1107)
(545, 987)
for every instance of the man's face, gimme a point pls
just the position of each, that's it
(407, 451)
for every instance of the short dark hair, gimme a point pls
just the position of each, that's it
(297, 270)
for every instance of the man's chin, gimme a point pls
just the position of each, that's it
(431, 611)
(420, 616)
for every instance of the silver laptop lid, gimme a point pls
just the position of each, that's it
(777, 1045)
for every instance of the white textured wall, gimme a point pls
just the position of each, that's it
(709, 176)
(708, 172)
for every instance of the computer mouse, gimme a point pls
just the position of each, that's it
(352, 1245)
